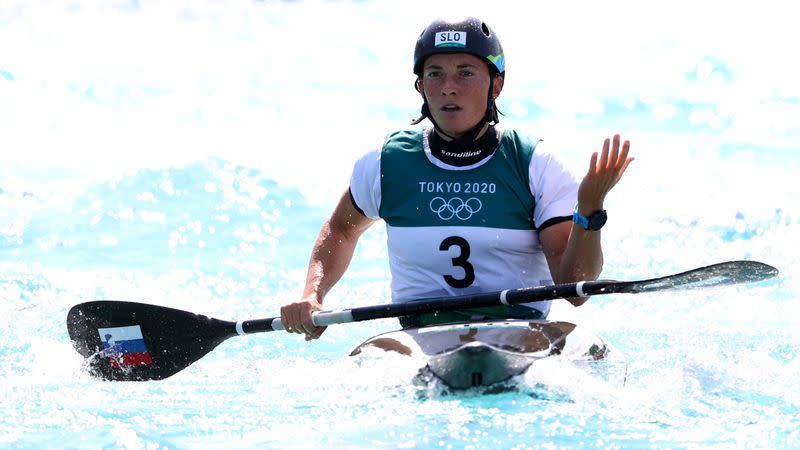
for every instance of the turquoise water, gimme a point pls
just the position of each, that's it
(185, 154)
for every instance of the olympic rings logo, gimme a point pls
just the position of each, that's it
(455, 207)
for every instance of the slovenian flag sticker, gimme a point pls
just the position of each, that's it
(125, 346)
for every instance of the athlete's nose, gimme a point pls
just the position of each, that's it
(449, 85)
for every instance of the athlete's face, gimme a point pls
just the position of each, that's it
(456, 86)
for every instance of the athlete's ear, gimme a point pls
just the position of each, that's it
(497, 87)
(418, 85)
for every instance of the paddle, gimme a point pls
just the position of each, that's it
(129, 341)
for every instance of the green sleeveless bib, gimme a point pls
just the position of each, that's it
(417, 193)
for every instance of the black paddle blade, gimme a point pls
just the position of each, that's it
(128, 341)
(722, 274)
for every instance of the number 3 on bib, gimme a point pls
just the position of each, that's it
(461, 260)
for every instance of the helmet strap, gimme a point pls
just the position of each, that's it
(491, 107)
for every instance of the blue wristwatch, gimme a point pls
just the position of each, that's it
(594, 222)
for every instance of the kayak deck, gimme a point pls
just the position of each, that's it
(465, 355)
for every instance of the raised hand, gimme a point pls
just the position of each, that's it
(605, 170)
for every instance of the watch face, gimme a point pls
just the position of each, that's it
(597, 220)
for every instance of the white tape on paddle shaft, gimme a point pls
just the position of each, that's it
(320, 319)
(579, 289)
(503, 298)
(240, 328)
(325, 318)
(277, 325)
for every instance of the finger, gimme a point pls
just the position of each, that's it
(612, 160)
(307, 325)
(296, 322)
(624, 167)
(604, 155)
(623, 157)
(624, 160)
(593, 164)
(315, 334)
(285, 318)
(288, 323)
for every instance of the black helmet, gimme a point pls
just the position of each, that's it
(466, 35)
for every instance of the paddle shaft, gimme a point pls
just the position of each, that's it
(433, 305)
(129, 341)
(722, 274)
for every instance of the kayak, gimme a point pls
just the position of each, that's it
(466, 355)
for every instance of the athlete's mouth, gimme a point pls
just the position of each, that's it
(450, 108)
